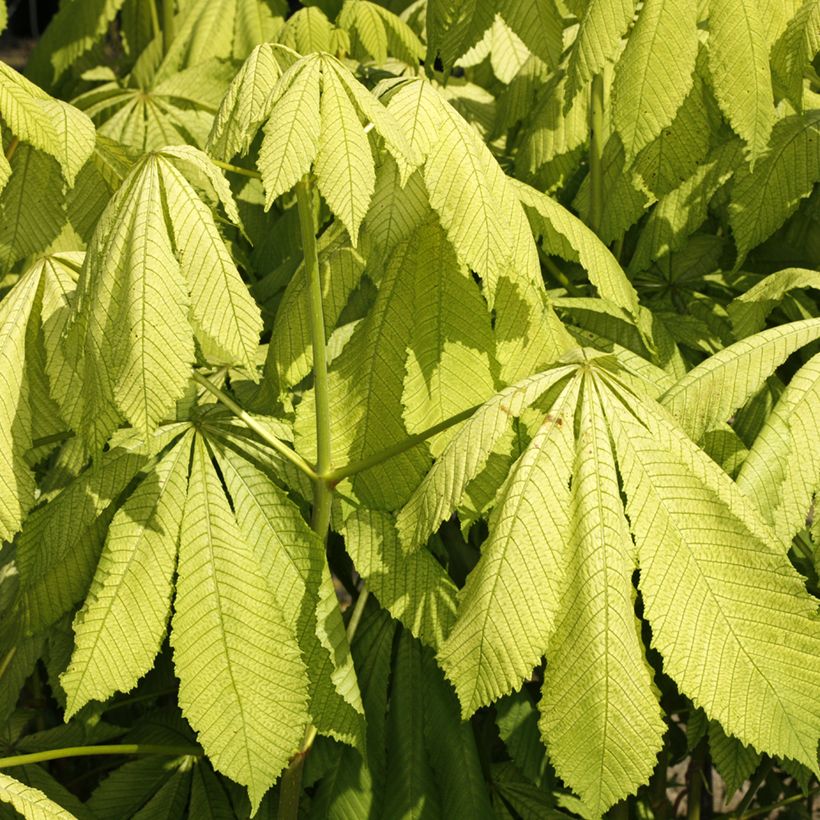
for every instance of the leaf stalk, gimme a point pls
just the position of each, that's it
(286, 452)
(596, 153)
(89, 751)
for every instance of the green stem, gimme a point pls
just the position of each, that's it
(90, 751)
(156, 29)
(757, 781)
(54, 438)
(12, 148)
(168, 29)
(335, 476)
(558, 274)
(795, 798)
(291, 455)
(7, 659)
(695, 791)
(291, 788)
(596, 152)
(236, 169)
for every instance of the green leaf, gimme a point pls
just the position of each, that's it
(520, 571)
(230, 636)
(119, 630)
(794, 49)
(517, 720)
(292, 135)
(734, 762)
(209, 800)
(76, 27)
(410, 789)
(225, 318)
(566, 236)
(781, 473)
(292, 559)
(58, 548)
(739, 66)
(377, 32)
(131, 324)
(683, 210)
(538, 23)
(245, 106)
(602, 24)
(465, 457)
(598, 686)
(306, 31)
(30, 215)
(449, 368)
(366, 384)
(654, 74)
(4, 16)
(708, 395)
(30, 802)
(764, 198)
(454, 26)
(415, 589)
(729, 614)
(344, 162)
(49, 125)
(748, 311)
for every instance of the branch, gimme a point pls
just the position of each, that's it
(90, 751)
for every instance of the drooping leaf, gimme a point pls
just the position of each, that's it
(734, 762)
(739, 66)
(520, 572)
(598, 685)
(230, 636)
(377, 32)
(654, 75)
(449, 368)
(712, 583)
(794, 48)
(292, 559)
(120, 628)
(49, 125)
(538, 23)
(566, 236)
(454, 27)
(465, 456)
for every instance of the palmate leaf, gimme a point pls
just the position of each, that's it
(654, 75)
(739, 67)
(724, 556)
(30, 802)
(119, 630)
(316, 112)
(256, 723)
(454, 27)
(157, 265)
(763, 198)
(377, 33)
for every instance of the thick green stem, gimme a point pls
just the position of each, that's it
(694, 793)
(90, 751)
(291, 455)
(291, 788)
(168, 30)
(335, 476)
(156, 29)
(236, 169)
(596, 152)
